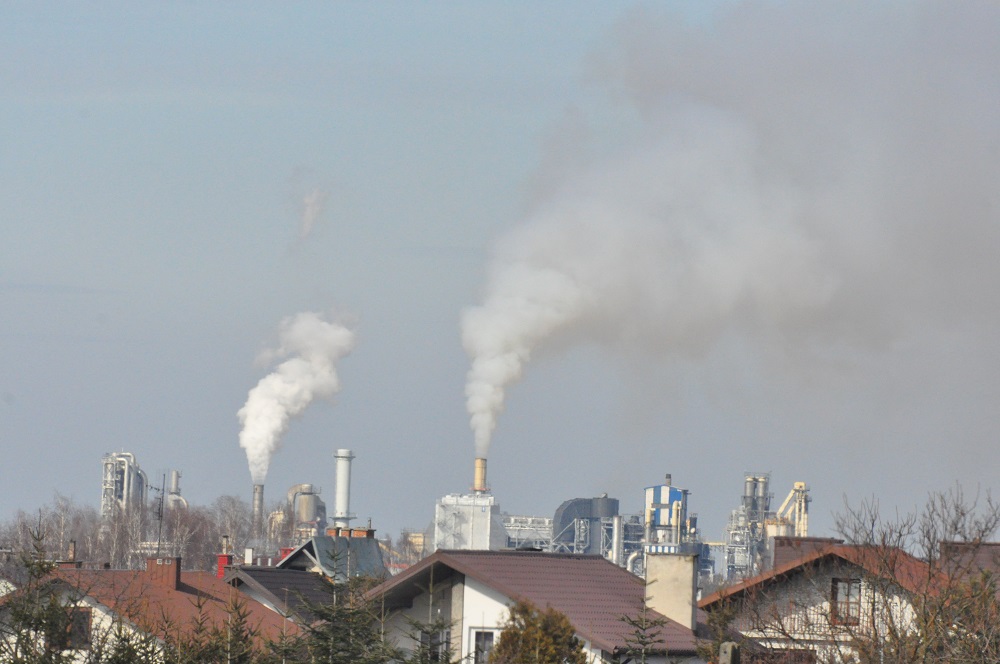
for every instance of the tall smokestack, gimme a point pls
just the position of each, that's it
(258, 510)
(342, 501)
(479, 476)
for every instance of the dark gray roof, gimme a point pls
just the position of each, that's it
(591, 591)
(338, 557)
(290, 591)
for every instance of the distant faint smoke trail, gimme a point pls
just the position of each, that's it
(308, 350)
(312, 207)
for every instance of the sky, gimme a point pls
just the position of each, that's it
(689, 238)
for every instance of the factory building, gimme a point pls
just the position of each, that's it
(306, 510)
(124, 485)
(528, 532)
(753, 526)
(471, 521)
(745, 541)
(174, 498)
(580, 525)
(670, 529)
(577, 526)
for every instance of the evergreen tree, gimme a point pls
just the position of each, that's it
(36, 623)
(644, 636)
(347, 628)
(433, 641)
(533, 636)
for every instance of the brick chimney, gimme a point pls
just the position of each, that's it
(225, 560)
(164, 572)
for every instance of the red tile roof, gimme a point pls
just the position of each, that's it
(150, 603)
(591, 591)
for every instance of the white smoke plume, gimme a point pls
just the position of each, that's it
(308, 349)
(313, 205)
(799, 179)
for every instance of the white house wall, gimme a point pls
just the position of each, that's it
(473, 607)
(797, 613)
(484, 609)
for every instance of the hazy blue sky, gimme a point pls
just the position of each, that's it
(779, 220)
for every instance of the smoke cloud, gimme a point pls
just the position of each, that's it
(312, 207)
(806, 178)
(308, 350)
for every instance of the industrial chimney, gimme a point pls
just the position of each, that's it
(258, 510)
(342, 501)
(479, 476)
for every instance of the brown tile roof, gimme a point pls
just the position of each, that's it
(593, 592)
(910, 573)
(150, 604)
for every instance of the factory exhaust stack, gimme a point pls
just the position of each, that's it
(342, 502)
(479, 477)
(258, 510)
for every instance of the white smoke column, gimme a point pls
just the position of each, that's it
(312, 207)
(309, 348)
(652, 251)
(770, 194)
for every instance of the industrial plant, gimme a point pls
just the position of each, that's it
(124, 486)
(473, 520)
(753, 525)
(596, 526)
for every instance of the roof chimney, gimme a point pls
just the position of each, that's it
(165, 572)
(225, 560)
(672, 586)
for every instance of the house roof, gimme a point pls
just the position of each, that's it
(338, 557)
(592, 592)
(912, 574)
(970, 558)
(290, 591)
(151, 605)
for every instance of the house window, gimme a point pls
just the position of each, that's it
(483, 642)
(845, 602)
(437, 645)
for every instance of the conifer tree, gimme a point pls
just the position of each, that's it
(347, 627)
(533, 636)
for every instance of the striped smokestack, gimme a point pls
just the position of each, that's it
(479, 476)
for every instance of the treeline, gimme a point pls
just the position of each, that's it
(127, 537)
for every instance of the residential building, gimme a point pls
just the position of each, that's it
(160, 601)
(471, 591)
(342, 554)
(828, 601)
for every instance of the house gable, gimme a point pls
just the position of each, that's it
(824, 601)
(593, 593)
